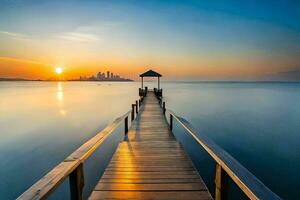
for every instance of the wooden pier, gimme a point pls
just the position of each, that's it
(150, 163)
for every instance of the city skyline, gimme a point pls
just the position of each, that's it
(105, 76)
(184, 40)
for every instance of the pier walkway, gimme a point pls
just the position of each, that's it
(150, 163)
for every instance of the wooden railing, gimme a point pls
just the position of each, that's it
(143, 92)
(158, 92)
(72, 166)
(226, 166)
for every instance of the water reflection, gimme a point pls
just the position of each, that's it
(60, 93)
(60, 98)
(62, 112)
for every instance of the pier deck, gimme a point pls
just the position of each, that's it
(150, 163)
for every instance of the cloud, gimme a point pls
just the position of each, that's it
(292, 75)
(20, 60)
(14, 35)
(71, 36)
(78, 37)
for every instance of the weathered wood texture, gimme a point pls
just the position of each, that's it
(150, 163)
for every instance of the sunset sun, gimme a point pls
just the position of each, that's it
(58, 70)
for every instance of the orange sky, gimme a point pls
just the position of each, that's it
(223, 68)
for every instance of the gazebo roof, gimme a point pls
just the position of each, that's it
(150, 73)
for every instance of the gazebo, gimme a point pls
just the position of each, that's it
(151, 73)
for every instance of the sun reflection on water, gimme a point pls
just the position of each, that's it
(60, 93)
(62, 112)
(60, 98)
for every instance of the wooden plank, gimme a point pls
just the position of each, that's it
(138, 160)
(141, 174)
(146, 165)
(150, 153)
(149, 169)
(152, 180)
(174, 195)
(153, 150)
(150, 187)
(151, 144)
(147, 158)
(151, 176)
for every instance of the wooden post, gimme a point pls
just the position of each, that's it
(158, 83)
(171, 122)
(221, 181)
(137, 107)
(132, 112)
(164, 107)
(77, 183)
(126, 125)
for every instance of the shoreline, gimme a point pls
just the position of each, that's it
(186, 82)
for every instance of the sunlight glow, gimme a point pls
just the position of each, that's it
(58, 70)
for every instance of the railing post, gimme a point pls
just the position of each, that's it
(132, 112)
(164, 107)
(77, 183)
(221, 181)
(171, 122)
(126, 125)
(137, 107)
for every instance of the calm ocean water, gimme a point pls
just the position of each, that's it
(43, 122)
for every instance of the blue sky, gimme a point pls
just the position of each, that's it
(186, 39)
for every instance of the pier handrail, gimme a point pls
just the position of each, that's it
(227, 166)
(72, 166)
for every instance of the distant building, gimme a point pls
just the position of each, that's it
(110, 76)
(99, 75)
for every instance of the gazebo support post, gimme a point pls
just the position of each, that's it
(158, 82)
(142, 82)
